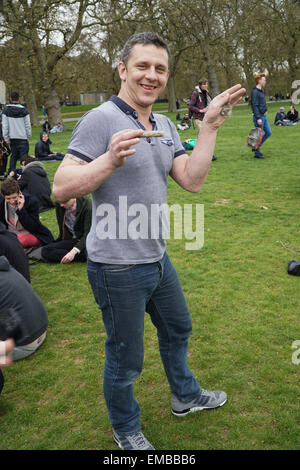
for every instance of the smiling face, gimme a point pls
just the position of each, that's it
(204, 86)
(145, 75)
(12, 199)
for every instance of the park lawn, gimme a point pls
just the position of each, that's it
(77, 111)
(244, 305)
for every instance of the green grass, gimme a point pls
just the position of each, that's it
(244, 305)
(76, 111)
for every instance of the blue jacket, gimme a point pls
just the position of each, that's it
(280, 117)
(258, 102)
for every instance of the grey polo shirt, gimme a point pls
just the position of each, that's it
(129, 208)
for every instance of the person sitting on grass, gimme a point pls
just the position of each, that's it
(5, 360)
(189, 144)
(293, 115)
(42, 149)
(59, 127)
(74, 220)
(18, 296)
(20, 213)
(185, 123)
(34, 180)
(11, 248)
(281, 118)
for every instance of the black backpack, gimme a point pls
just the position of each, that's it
(294, 267)
(4, 154)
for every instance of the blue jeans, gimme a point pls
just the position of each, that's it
(19, 148)
(57, 156)
(265, 127)
(124, 293)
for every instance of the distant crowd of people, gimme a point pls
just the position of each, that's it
(199, 101)
(15, 132)
(25, 193)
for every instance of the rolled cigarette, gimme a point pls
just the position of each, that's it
(153, 134)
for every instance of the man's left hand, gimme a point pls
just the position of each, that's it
(213, 116)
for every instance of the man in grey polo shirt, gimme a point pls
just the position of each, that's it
(128, 267)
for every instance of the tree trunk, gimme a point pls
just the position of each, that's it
(293, 67)
(213, 79)
(27, 83)
(49, 95)
(30, 97)
(212, 74)
(52, 106)
(171, 95)
(32, 108)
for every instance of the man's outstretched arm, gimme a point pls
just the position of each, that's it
(190, 171)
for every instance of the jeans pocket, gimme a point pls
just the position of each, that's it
(122, 277)
(111, 268)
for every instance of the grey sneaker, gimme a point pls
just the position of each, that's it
(207, 401)
(136, 441)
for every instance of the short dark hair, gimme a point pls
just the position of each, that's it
(30, 159)
(143, 38)
(27, 159)
(23, 158)
(14, 96)
(9, 186)
(202, 81)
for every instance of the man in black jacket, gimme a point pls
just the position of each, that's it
(18, 296)
(20, 213)
(34, 181)
(42, 149)
(11, 248)
(259, 109)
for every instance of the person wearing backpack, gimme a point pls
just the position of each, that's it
(199, 103)
(16, 128)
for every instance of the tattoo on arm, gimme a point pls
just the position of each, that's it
(69, 156)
